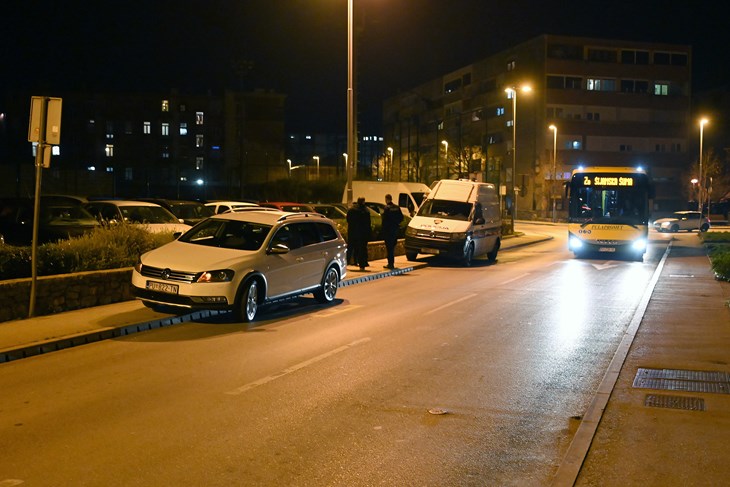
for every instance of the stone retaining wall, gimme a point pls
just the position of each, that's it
(67, 292)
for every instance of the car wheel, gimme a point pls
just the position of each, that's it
(492, 255)
(674, 229)
(411, 256)
(468, 255)
(704, 227)
(249, 302)
(327, 292)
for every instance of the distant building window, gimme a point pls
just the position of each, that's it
(165, 153)
(128, 173)
(594, 84)
(500, 111)
(452, 86)
(165, 129)
(511, 65)
(663, 58)
(679, 59)
(109, 150)
(199, 139)
(634, 57)
(661, 89)
(466, 79)
(575, 145)
(165, 105)
(602, 55)
(182, 108)
(56, 150)
(199, 163)
(565, 82)
(128, 128)
(595, 116)
(625, 148)
(147, 128)
(183, 128)
(199, 118)
(565, 51)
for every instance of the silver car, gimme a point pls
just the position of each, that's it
(683, 220)
(241, 260)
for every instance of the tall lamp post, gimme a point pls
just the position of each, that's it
(512, 92)
(316, 158)
(344, 155)
(700, 199)
(446, 156)
(351, 127)
(390, 164)
(555, 166)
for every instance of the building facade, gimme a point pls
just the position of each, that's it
(612, 103)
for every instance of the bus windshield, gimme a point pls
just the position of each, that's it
(609, 198)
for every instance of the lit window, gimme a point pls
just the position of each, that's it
(575, 145)
(500, 111)
(183, 128)
(199, 163)
(199, 140)
(510, 123)
(147, 128)
(165, 106)
(56, 150)
(165, 153)
(109, 169)
(165, 129)
(199, 118)
(661, 89)
(593, 84)
(511, 65)
(109, 150)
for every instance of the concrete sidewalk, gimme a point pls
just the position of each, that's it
(43, 334)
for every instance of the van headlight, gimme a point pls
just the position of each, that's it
(458, 236)
(411, 232)
(223, 275)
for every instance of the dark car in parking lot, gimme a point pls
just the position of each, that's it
(190, 212)
(57, 220)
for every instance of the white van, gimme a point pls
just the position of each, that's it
(408, 196)
(458, 219)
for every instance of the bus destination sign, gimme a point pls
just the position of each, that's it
(624, 181)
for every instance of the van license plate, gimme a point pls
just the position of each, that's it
(162, 287)
(427, 250)
(607, 249)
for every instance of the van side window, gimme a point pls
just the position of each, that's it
(404, 201)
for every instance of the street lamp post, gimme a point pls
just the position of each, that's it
(316, 158)
(351, 127)
(700, 199)
(288, 161)
(390, 164)
(344, 155)
(513, 93)
(446, 156)
(555, 166)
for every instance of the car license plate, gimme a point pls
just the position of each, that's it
(427, 250)
(607, 249)
(163, 287)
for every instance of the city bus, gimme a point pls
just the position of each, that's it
(608, 211)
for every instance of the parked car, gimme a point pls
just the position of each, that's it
(151, 216)
(242, 260)
(224, 206)
(190, 212)
(288, 206)
(683, 220)
(58, 220)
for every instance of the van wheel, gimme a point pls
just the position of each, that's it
(248, 304)
(327, 292)
(468, 255)
(411, 256)
(492, 255)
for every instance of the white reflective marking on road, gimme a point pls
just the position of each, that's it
(451, 303)
(10, 482)
(604, 266)
(337, 310)
(514, 279)
(294, 368)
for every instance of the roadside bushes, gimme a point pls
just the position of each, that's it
(718, 248)
(105, 248)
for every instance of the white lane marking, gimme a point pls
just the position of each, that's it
(451, 303)
(294, 368)
(337, 310)
(10, 482)
(514, 279)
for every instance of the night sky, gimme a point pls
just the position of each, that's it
(299, 47)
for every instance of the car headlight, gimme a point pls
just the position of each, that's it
(138, 266)
(223, 275)
(665, 224)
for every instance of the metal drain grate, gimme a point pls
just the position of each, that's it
(683, 380)
(675, 402)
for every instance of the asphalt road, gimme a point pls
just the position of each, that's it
(443, 376)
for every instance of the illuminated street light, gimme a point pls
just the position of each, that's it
(555, 165)
(512, 92)
(316, 158)
(288, 161)
(390, 166)
(700, 199)
(446, 156)
(344, 155)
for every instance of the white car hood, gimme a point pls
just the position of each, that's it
(183, 256)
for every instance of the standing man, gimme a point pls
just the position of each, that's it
(358, 233)
(392, 217)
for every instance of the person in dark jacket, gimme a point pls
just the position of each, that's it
(358, 233)
(391, 219)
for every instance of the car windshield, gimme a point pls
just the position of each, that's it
(191, 210)
(65, 213)
(228, 234)
(147, 214)
(451, 210)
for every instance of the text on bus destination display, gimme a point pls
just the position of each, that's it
(608, 181)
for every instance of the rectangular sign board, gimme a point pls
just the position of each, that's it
(52, 120)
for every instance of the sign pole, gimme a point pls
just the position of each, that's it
(40, 149)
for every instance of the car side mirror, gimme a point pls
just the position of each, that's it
(279, 248)
(176, 235)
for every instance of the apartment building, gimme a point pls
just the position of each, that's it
(611, 103)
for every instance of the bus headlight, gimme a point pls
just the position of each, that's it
(639, 244)
(574, 243)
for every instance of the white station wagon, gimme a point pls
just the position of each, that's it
(240, 261)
